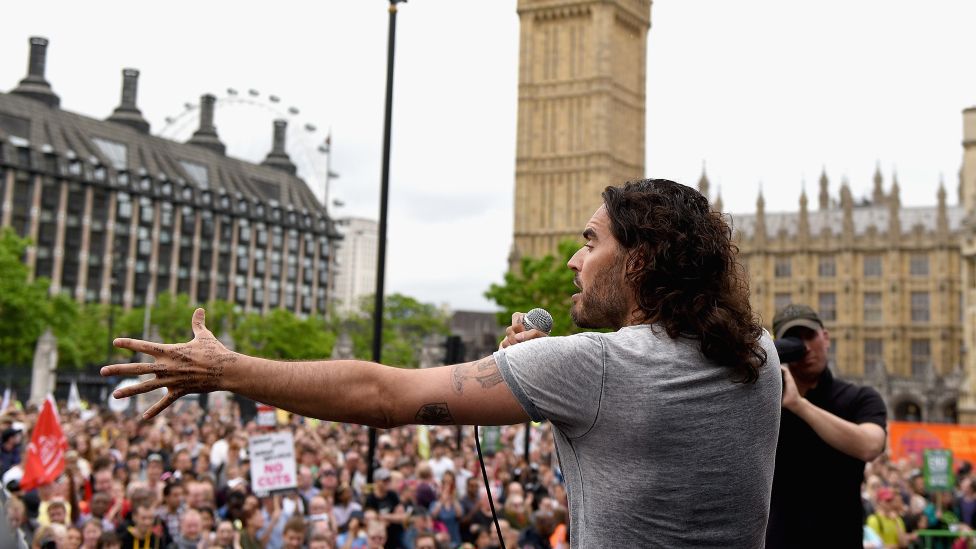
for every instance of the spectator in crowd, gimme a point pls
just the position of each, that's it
(294, 533)
(425, 541)
(320, 516)
(51, 536)
(90, 533)
(254, 523)
(420, 525)
(10, 451)
(73, 538)
(469, 507)
(376, 532)
(225, 536)
(345, 506)
(109, 540)
(440, 461)
(17, 518)
(140, 535)
(966, 502)
(447, 509)
(169, 512)
(886, 522)
(54, 511)
(103, 511)
(274, 521)
(387, 505)
(426, 493)
(320, 541)
(355, 536)
(191, 531)
(304, 484)
(829, 428)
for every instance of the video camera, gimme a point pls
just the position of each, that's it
(790, 349)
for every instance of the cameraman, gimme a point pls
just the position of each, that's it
(828, 430)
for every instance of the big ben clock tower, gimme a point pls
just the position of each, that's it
(582, 72)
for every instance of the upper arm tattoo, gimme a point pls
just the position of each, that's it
(484, 371)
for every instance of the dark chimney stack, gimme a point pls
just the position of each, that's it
(34, 85)
(206, 134)
(278, 158)
(127, 113)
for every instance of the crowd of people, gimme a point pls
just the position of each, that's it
(183, 481)
(897, 507)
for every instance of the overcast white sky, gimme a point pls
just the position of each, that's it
(765, 92)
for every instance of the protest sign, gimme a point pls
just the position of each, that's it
(272, 462)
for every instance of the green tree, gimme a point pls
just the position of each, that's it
(406, 323)
(87, 340)
(170, 316)
(280, 334)
(26, 308)
(543, 282)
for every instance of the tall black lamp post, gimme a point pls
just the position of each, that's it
(384, 195)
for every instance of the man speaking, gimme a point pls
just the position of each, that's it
(665, 428)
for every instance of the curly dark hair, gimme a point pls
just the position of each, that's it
(681, 263)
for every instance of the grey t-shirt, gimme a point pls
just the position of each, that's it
(659, 448)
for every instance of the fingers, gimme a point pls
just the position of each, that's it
(512, 336)
(139, 388)
(139, 346)
(162, 404)
(199, 323)
(517, 319)
(136, 369)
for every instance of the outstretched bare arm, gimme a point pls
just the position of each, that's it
(340, 390)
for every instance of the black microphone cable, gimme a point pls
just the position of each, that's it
(484, 474)
(536, 319)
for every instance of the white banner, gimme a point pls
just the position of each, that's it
(272, 462)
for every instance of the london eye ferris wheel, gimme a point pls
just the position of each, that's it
(243, 119)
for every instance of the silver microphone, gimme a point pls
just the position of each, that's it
(537, 319)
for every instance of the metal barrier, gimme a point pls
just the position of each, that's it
(929, 536)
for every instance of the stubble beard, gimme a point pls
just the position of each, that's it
(603, 304)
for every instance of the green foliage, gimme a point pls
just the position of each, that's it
(26, 309)
(282, 335)
(169, 317)
(86, 341)
(541, 282)
(406, 323)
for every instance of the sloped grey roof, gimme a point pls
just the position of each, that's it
(65, 131)
(864, 217)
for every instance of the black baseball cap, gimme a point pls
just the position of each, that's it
(794, 315)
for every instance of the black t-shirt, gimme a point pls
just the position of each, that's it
(388, 504)
(816, 500)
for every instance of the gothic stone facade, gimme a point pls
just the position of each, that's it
(886, 280)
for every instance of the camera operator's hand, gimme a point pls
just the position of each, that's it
(516, 333)
(791, 396)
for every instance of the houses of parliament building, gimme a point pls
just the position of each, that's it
(895, 285)
(887, 281)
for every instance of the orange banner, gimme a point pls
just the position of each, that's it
(909, 440)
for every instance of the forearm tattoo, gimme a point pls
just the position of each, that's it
(435, 413)
(484, 371)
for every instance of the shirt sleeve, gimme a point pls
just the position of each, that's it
(557, 378)
(869, 407)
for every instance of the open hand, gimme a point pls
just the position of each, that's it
(516, 333)
(184, 368)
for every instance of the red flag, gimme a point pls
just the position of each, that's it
(45, 453)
